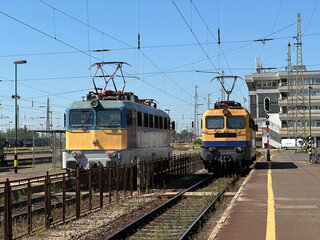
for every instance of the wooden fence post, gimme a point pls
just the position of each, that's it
(29, 208)
(101, 186)
(90, 189)
(125, 179)
(78, 193)
(7, 211)
(110, 183)
(64, 198)
(138, 176)
(47, 201)
(118, 182)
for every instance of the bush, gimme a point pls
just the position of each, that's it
(197, 141)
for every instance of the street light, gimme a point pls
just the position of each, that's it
(16, 97)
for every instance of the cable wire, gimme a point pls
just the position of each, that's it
(195, 36)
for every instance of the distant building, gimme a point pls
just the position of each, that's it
(272, 87)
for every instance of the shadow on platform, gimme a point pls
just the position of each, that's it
(275, 165)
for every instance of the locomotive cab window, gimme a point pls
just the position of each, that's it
(81, 118)
(108, 118)
(214, 122)
(236, 122)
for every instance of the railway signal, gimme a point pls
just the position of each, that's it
(267, 104)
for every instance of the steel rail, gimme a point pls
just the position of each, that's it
(201, 218)
(148, 217)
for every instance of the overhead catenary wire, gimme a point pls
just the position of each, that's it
(131, 46)
(155, 46)
(314, 9)
(48, 35)
(84, 52)
(195, 36)
(218, 41)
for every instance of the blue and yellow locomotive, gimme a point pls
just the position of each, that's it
(114, 127)
(228, 137)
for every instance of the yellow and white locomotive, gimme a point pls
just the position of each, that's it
(228, 137)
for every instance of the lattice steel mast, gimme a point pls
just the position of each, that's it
(300, 117)
(290, 102)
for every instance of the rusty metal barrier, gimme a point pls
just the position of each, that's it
(54, 199)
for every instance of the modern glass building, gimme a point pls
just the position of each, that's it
(273, 94)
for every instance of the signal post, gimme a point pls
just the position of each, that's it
(268, 150)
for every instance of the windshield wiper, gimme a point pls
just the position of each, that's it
(112, 121)
(87, 120)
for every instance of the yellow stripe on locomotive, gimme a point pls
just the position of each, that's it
(96, 139)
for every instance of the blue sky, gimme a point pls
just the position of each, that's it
(56, 46)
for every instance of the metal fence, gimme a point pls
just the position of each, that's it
(35, 204)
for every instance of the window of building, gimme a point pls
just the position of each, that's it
(252, 99)
(284, 110)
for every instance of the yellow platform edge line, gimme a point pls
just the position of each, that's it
(271, 222)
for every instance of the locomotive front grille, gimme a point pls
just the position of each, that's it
(225, 135)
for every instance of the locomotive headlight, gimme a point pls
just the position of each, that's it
(225, 111)
(76, 154)
(212, 149)
(239, 149)
(111, 154)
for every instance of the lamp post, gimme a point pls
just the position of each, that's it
(16, 97)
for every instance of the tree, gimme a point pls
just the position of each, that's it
(197, 141)
(22, 133)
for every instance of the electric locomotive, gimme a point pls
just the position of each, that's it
(228, 137)
(114, 127)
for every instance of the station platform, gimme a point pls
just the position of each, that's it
(28, 172)
(280, 199)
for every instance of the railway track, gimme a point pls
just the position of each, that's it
(26, 159)
(178, 218)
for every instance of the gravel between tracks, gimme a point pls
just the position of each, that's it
(86, 226)
(100, 224)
